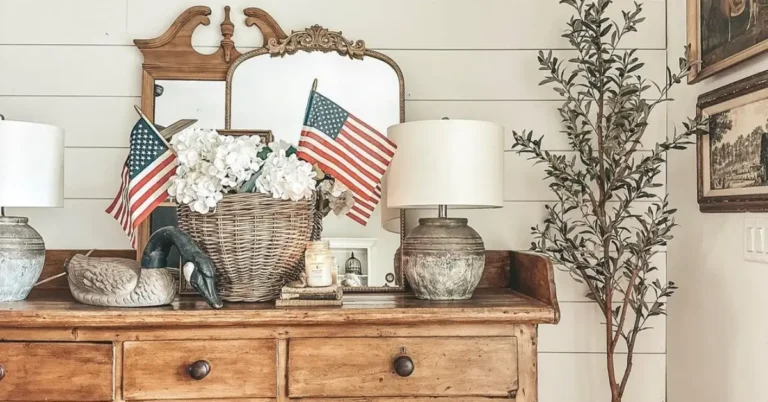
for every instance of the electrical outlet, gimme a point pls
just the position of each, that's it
(755, 241)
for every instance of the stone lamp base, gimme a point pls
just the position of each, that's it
(443, 259)
(22, 256)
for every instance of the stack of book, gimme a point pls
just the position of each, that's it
(304, 297)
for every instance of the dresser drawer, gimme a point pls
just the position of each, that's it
(56, 371)
(364, 367)
(224, 369)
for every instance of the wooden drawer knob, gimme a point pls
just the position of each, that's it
(2, 372)
(199, 370)
(404, 366)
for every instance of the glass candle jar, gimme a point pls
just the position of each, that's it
(318, 261)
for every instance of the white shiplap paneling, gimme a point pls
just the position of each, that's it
(383, 24)
(93, 173)
(397, 24)
(80, 224)
(516, 116)
(70, 70)
(569, 290)
(582, 329)
(582, 377)
(50, 22)
(524, 181)
(429, 75)
(104, 121)
(87, 121)
(490, 75)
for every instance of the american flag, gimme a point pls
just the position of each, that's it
(145, 178)
(348, 149)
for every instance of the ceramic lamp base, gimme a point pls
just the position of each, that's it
(443, 259)
(22, 256)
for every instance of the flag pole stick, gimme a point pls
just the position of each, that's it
(314, 85)
(170, 148)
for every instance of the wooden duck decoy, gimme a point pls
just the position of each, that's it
(120, 282)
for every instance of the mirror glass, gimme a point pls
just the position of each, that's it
(201, 100)
(181, 99)
(271, 93)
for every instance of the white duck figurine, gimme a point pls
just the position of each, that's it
(120, 282)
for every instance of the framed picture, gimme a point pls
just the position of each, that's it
(353, 256)
(723, 33)
(732, 158)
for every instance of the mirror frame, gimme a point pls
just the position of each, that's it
(171, 56)
(319, 39)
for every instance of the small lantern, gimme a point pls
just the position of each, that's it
(353, 266)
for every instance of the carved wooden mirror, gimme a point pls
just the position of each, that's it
(267, 89)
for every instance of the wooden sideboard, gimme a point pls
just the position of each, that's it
(377, 347)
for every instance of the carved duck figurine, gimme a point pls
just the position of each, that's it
(120, 282)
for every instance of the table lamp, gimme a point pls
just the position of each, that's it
(441, 164)
(31, 175)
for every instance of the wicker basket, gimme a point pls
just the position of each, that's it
(256, 242)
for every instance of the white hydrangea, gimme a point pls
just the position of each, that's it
(340, 199)
(286, 177)
(211, 165)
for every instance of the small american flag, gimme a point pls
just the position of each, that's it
(348, 149)
(145, 178)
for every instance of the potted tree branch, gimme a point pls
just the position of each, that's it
(609, 220)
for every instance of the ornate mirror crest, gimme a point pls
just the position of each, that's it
(316, 37)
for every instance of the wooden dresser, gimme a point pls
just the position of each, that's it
(377, 347)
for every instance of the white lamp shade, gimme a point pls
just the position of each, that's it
(459, 163)
(390, 217)
(31, 165)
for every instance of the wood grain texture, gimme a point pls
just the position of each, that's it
(173, 51)
(118, 370)
(239, 369)
(56, 371)
(57, 309)
(281, 361)
(265, 332)
(528, 390)
(497, 269)
(352, 367)
(404, 399)
(534, 281)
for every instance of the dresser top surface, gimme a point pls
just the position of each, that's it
(59, 309)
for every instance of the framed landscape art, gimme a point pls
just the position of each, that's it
(723, 33)
(732, 157)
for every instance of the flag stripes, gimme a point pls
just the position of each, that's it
(145, 178)
(118, 209)
(347, 149)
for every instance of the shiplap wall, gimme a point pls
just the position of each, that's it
(71, 63)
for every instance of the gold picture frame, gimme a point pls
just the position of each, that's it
(745, 37)
(732, 158)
